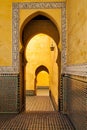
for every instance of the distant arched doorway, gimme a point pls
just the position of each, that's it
(42, 81)
(41, 24)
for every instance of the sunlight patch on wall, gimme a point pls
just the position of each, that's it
(38, 53)
(42, 79)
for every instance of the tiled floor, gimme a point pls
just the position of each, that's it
(39, 117)
(35, 121)
(38, 103)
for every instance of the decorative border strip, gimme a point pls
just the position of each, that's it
(41, 5)
(76, 70)
(63, 52)
(9, 74)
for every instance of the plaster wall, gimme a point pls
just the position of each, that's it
(6, 33)
(76, 31)
(76, 86)
(6, 27)
(42, 79)
(37, 54)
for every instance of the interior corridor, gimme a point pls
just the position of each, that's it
(39, 115)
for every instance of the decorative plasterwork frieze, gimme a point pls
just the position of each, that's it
(63, 33)
(15, 37)
(41, 5)
(80, 69)
(6, 69)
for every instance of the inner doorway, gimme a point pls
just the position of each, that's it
(38, 72)
(42, 84)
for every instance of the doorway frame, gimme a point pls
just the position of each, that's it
(16, 7)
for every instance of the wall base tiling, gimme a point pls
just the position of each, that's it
(8, 93)
(75, 100)
(30, 93)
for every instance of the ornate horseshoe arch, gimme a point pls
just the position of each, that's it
(16, 7)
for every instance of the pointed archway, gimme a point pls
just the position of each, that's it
(42, 24)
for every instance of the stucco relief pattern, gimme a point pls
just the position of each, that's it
(80, 69)
(42, 5)
(63, 52)
(15, 37)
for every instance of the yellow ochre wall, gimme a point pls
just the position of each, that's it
(6, 37)
(42, 79)
(6, 29)
(37, 53)
(76, 31)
